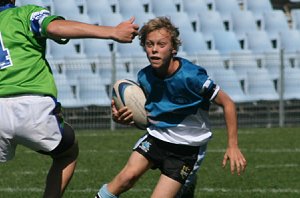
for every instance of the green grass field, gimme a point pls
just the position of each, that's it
(273, 170)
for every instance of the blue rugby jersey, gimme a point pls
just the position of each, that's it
(178, 106)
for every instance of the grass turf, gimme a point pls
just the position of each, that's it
(273, 156)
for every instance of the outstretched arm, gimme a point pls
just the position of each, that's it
(123, 32)
(233, 153)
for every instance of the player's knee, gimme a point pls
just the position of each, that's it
(127, 179)
(68, 146)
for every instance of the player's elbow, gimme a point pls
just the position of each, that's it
(55, 30)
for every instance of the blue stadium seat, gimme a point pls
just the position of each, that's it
(68, 8)
(260, 87)
(226, 8)
(193, 8)
(130, 50)
(96, 48)
(275, 21)
(111, 19)
(49, 5)
(226, 42)
(182, 21)
(229, 82)
(244, 61)
(290, 43)
(95, 9)
(160, 8)
(243, 22)
(291, 84)
(214, 24)
(92, 91)
(66, 93)
(260, 44)
(67, 51)
(193, 43)
(34, 2)
(130, 8)
(241, 60)
(258, 7)
(142, 17)
(197, 50)
(295, 15)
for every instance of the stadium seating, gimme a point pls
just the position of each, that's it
(226, 8)
(275, 21)
(260, 44)
(234, 40)
(142, 17)
(226, 42)
(259, 86)
(290, 44)
(92, 91)
(193, 43)
(34, 2)
(193, 8)
(160, 8)
(295, 15)
(228, 81)
(258, 7)
(182, 21)
(129, 8)
(96, 48)
(95, 9)
(131, 53)
(66, 92)
(215, 22)
(66, 51)
(243, 22)
(197, 51)
(291, 84)
(68, 8)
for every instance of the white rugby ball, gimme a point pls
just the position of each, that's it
(129, 93)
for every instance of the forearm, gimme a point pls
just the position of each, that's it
(71, 29)
(231, 124)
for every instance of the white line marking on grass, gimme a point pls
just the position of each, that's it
(13, 190)
(209, 190)
(255, 190)
(277, 166)
(295, 150)
(112, 134)
(45, 172)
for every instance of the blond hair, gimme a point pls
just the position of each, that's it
(160, 23)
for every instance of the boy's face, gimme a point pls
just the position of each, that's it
(159, 48)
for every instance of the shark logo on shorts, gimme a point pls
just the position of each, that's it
(185, 171)
(145, 146)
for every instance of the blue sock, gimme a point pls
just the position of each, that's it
(104, 193)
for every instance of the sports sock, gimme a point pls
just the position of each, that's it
(104, 193)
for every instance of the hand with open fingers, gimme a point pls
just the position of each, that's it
(122, 116)
(126, 31)
(236, 158)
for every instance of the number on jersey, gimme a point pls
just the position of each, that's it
(5, 60)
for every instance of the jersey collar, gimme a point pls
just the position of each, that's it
(6, 7)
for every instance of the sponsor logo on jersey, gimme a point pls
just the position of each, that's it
(185, 171)
(145, 146)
